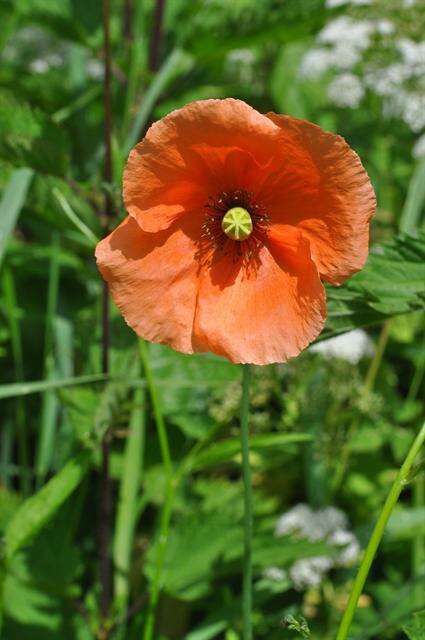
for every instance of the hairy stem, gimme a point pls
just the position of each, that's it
(248, 517)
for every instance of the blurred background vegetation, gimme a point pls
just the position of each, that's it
(328, 430)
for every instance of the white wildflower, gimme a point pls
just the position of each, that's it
(50, 61)
(330, 525)
(413, 54)
(414, 111)
(327, 521)
(297, 520)
(347, 31)
(240, 62)
(419, 147)
(385, 27)
(275, 574)
(316, 62)
(351, 346)
(39, 65)
(331, 4)
(346, 90)
(309, 572)
(351, 547)
(94, 69)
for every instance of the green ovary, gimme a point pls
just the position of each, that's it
(237, 224)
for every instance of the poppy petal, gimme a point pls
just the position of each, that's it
(192, 154)
(331, 199)
(269, 315)
(153, 280)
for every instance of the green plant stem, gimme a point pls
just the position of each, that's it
(170, 489)
(418, 551)
(369, 382)
(418, 498)
(368, 386)
(399, 483)
(248, 517)
(157, 409)
(21, 418)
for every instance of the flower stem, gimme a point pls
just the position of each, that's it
(248, 518)
(399, 483)
(170, 489)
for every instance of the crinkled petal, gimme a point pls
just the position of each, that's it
(195, 153)
(153, 280)
(325, 191)
(267, 314)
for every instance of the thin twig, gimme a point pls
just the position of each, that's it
(105, 505)
(157, 33)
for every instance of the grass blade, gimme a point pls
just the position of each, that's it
(72, 216)
(50, 407)
(11, 204)
(128, 499)
(177, 63)
(16, 342)
(414, 204)
(15, 390)
(37, 510)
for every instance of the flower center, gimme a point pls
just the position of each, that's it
(237, 224)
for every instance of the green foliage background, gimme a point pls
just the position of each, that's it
(323, 431)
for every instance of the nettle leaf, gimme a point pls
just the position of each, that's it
(194, 546)
(415, 630)
(40, 580)
(392, 283)
(30, 138)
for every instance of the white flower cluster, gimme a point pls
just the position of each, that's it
(240, 63)
(341, 46)
(346, 90)
(351, 346)
(419, 148)
(342, 43)
(330, 525)
(331, 4)
(402, 84)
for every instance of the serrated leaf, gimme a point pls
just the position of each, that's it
(30, 138)
(392, 283)
(415, 630)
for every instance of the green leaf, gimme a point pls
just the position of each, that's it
(225, 450)
(415, 630)
(392, 283)
(12, 201)
(406, 524)
(15, 390)
(36, 511)
(30, 138)
(301, 625)
(195, 543)
(207, 631)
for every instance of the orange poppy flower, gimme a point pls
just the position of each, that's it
(235, 218)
